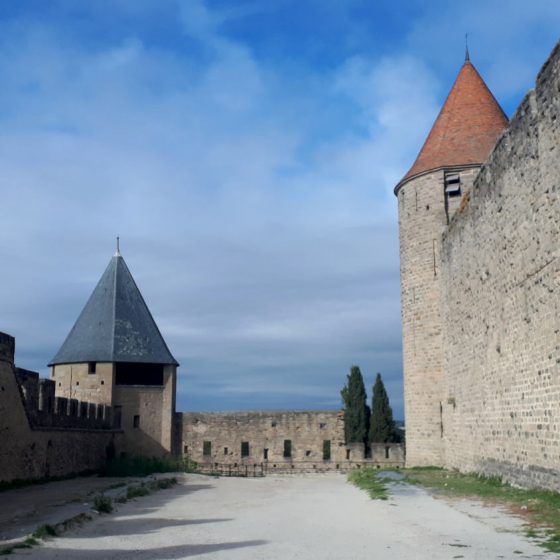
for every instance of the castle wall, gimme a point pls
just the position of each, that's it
(501, 305)
(424, 211)
(152, 432)
(42, 436)
(307, 432)
(75, 381)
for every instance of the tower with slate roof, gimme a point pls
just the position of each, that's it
(116, 355)
(459, 142)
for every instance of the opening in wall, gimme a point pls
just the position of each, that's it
(136, 421)
(287, 448)
(206, 448)
(244, 449)
(326, 450)
(92, 366)
(266, 454)
(130, 373)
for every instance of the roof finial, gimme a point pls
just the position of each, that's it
(118, 252)
(467, 55)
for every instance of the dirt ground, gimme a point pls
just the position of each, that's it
(307, 517)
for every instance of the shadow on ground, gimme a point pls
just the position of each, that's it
(134, 518)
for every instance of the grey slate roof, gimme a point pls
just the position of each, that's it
(115, 325)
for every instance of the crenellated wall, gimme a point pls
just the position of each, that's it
(501, 303)
(42, 436)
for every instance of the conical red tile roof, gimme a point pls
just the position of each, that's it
(466, 129)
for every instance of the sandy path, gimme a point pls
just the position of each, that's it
(302, 517)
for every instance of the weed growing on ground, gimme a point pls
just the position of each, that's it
(367, 479)
(103, 504)
(44, 532)
(540, 507)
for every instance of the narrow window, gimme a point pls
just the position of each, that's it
(453, 185)
(244, 449)
(387, 451)
(287, 448)
(136, 421)
(348, 454)
(186, 449)
(92, 366)
(117, 416)
(225, 450)
(326, 450)
(207, 448)
(308, 453)
(266, 454)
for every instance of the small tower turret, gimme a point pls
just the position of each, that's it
(459, 142)
(115, 355)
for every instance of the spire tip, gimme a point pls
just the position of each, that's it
(118, 251)
(467, 55)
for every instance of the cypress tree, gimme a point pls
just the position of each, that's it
(382, 427)
(355, 407)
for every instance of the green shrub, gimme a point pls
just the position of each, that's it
(103, 504)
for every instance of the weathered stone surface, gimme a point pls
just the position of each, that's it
(37, 440)
(501, 305)
(263, 436)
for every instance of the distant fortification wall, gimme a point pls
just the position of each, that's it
(501, 305)
(316, 441)
(44, 436)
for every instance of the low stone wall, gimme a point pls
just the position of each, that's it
(37, 442)
(282, 442)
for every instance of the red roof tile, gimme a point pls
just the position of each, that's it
(466, 129)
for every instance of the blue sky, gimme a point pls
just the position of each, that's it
(245, 152)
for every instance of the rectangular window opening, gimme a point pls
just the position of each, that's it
(244, 449)
(287, 448)
(136, 421)
(117, 416)
(453, 185)
(326, 450)
(348, 454)
(186, 449)
(225, 450)
(266, 454)
(206, 448)
(387, 448)
(132, 373)
(92, 366)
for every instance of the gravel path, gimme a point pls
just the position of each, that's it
(311, 517)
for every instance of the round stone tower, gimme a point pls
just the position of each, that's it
(459, 142)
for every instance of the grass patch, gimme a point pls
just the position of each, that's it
(367, 479)
(143, 466)
(103, 504)
(147, 488)
(137, 491)
(44, 532)
(540, 507)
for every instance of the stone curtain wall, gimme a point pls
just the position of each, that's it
(226, 433)
(39, 439)
(501, 303)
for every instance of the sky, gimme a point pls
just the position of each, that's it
(246, 153)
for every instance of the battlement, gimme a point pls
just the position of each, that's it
(45, 410)
(7, 348)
